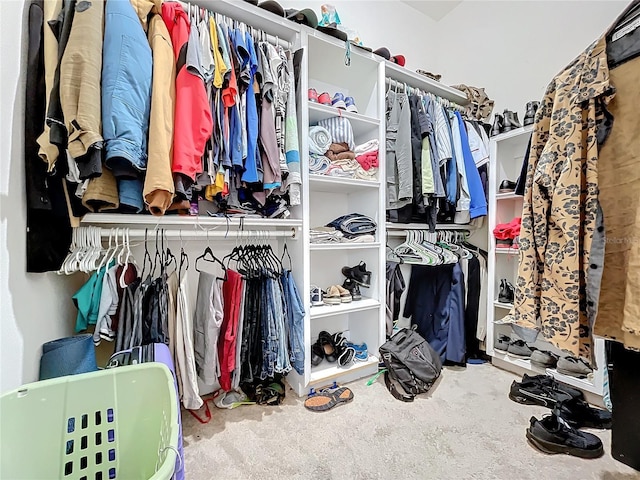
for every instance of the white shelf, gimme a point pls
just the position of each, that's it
(403, 75)
(509, 196)
(513, 133)
(354, 306)
(183, 221)
(330, 184)
(361, 124)
(507, 251)
(581, 383)
(424, 226)
(344, 246)
(326, 370)
(506, 306)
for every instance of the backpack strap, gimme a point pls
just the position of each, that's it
(394, 391)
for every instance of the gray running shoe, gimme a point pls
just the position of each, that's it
(543, 359)
(518, 348)
(574, 367)
(502, 343)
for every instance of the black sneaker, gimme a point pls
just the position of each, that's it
(353, 288)
(551, 435)
(541, 390)
(579, 414)
(358, 274)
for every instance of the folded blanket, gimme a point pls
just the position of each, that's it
(370, 146)
(368, 160)
(345, 164)
(340, 156)
(319, 140)
(371, 174)
(339, 172)
(318, 164)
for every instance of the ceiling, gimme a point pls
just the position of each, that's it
(436, 10)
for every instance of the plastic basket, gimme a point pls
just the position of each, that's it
(118, 423)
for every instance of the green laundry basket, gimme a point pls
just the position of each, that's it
(119, 423)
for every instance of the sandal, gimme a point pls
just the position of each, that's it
(327, 399)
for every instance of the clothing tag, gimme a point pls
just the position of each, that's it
(626, 29)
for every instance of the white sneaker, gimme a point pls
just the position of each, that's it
(316, 296)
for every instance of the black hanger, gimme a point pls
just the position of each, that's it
(213, 259)
(147, 255)
(285, 251)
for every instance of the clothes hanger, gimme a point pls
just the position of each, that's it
(285, 251)
(208, 256)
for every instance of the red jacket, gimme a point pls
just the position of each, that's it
(193, 120)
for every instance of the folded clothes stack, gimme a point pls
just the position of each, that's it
(351, 228)
(332, 151)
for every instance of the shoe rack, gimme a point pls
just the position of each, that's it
(507, 152)
(323, 68)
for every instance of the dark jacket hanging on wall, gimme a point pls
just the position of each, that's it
(48, 227)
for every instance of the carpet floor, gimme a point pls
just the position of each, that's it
(465, 428)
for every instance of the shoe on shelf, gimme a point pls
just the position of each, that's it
(498, 125)
(345, 295)
(507, 186)
(359, 274)
(338, 101)
(530, 113)
(316, 296)
(574, 367)
(324, 98)
(353, 288)
(313, 95)
(351, 105)
(544, 359)
(551, 435)
(502, 343)
(543, 390)
(518, 348)
(317, 353)
(344, 352)
(331, 296)
(361, 351)
(510, 121)
(579, 414)
(507, 292)
(325, 339)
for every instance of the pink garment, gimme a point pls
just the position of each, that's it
(368, 160)
(232, 293)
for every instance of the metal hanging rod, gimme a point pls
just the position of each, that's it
(139, 233)
(403, 233)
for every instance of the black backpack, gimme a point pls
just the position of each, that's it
(410, 363)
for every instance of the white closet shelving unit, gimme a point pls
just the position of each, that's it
(330, 197)
(507, 153)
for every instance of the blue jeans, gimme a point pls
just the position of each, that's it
(295, 321)
(354, 224)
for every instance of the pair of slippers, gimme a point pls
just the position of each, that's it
(327, 399)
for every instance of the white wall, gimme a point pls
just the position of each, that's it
(515, 48)
(34, 308)
(384, 23)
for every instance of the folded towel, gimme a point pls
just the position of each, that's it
(370, 146)
(340, 156)
(318, 164)
(338, 148)
(345, 164)
(368, 160)
(319, 140)
(339, 172)
(371, 174)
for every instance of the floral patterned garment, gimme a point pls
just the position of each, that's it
(561, 206)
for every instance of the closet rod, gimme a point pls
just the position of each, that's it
(403, 233)
(405, 87)
(185, 234)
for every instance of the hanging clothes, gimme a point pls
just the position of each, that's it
(207, 320)
(395, 289)
(231, 291)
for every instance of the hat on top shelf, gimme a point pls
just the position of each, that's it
(273, 7)
(306, 16)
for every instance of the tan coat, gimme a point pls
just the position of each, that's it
(158, 184)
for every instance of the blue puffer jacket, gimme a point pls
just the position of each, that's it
(126, 90)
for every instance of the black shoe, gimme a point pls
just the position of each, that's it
(344, 353)
(353, 288)
(545, 391)
(325, 340)
(507, 292)
(317, 354)
(358, 274)
(551, 435)
(510, 120)
(507, 186)
(529, 116)
(498, 125)
(579, 414)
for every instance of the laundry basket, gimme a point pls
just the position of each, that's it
(119, 423)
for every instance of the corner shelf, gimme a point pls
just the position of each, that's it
(321, 311)
(513, 133)
(326, 371)
(509, 196)
(329, 184)
(506, 306)
(507, 251)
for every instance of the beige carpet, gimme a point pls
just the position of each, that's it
(467, 429)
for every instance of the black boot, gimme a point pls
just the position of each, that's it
(511, 120)
(498, 125)
(529, 116)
